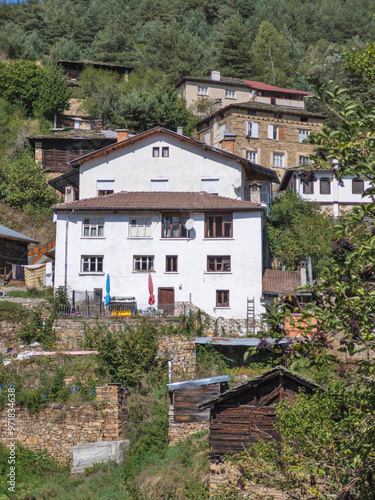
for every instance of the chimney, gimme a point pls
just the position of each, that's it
(180, 130)
(215, 75)
(122, 134)
(254, 188)
(302, 271)
(70, 194)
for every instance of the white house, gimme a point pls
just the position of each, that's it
(326, 190)
(163, 204)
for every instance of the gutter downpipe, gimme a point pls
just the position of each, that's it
(309, 270)
(66, 250)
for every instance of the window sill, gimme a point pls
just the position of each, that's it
(142, 272)
(171, 272)
(139, 238)
(218, 238)
(217, 272)
(174, 238)
(231, 98)
(221, 307)
(92, 237)
(93, 273)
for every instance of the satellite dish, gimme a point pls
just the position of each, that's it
(189, 224)
(237, 183)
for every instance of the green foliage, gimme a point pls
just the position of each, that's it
(362, 61)
(39, 329)
(23, 183)
(39, 90)
(210, 362)
(11, 311)
(45, 293)
(296, 230)
(125, 354)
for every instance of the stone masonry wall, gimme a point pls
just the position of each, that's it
(57, 427)
(179, 431)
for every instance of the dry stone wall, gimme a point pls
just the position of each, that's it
(180, 431)
(58, 427)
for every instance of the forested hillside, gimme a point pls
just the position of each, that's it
(241, 38)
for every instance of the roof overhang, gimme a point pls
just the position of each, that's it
(70, 178)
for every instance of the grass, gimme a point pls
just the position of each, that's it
(10, 311)
(32, 293)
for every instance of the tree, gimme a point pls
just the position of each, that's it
(38, 90)
(298, 229)
(23, 184)
(271, 55)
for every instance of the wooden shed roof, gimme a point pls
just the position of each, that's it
(302, 381)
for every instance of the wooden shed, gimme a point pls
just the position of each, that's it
(13, 253)
(185, 417)
(247, 413)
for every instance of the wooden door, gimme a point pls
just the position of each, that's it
(166, 300)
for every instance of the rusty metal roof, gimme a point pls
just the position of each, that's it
(146, 200)
(275, 281)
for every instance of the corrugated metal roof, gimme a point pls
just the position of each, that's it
(7, 233)
(234, 342)
(196, 383)
(170, 200)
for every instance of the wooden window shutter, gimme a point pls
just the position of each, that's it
(270, 131)
(281, 133)
(254, 130)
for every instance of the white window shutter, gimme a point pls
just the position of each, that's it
(270, 131)
(247, 128)
(254, 130)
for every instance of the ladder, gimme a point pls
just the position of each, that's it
(250, 316)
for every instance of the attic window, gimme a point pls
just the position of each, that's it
(105, 186)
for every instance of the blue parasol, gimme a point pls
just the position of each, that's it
(107, 299)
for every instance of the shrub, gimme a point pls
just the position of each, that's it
(12, 312)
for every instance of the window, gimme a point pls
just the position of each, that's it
(325, 186)
(273, 100)
(105, 186)
(251, 156)
(165, 152)
(278, 160)
(139, 227)
(252, 130)
(303, 134)
(278, 115)
(219, 226)
(218, 264)
(222, 298)
(304, 119)
(171, 264)
(357, 186)
(210, 185)
(230, 94)
(174, 226)
(93, 227)
(308, 188)
(91, 264)
(303, 160)
(156, 152)
(273, 132)
(202, 90)
(143, 263)
(159, 184)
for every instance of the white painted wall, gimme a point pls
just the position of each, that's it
(133, 167)
(339, 194)
(245, 249)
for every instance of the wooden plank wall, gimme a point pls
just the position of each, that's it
(185, 402)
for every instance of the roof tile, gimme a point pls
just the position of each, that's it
(275, 281)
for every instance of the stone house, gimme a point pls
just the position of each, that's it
(271, 135)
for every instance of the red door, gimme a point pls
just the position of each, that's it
(166, 300)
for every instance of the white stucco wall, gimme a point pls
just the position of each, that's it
(133, 167)
(117, 249)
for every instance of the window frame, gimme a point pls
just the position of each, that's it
(324, 180)
(214, 225)
(106, 191)
(171, 263)
(165, 149)
(251, 151)
(356, 182)
(301, 160)
(281, 156)
(203, 91)
(90, 225)
(301, 132)
(220, 298)
(139, 225)
(96, 260)
(156, 152)
(230, 94)
(309, 185)
(182, 231)
(149, 260)
(215, 261)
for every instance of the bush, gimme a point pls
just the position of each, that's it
(10, 311)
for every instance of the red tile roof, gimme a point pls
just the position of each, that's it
(272, 88)
(280, 281)
(300, 327)
(145, 200)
